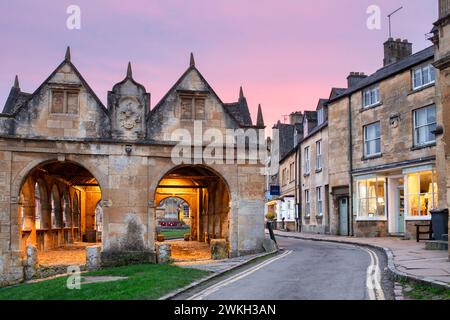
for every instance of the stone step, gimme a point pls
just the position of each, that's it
(436, 245)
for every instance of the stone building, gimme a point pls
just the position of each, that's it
(286, 205)
(72, 169)
(381, 131)
(441, 39)
(314, 173)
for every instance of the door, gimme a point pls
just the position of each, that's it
(343, 216)
(400, 221)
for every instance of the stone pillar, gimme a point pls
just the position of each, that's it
(93, 257)
(31, 262)
(163, 253)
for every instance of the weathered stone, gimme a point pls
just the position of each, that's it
(163, 253)
(219, 249)
(31, 262)
(269, 245)
(93, 257)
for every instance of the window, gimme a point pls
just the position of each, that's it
(67, 212)
(424, 125)
(319, 201)
(38, 206)
(307, 167)
(423, 76)
(307, 205)
(56, 217)
(421, 193)
(320, 116)
(371, 200)
(319, 155)
(371, 96)
(64, 102)
(76, 211)
(292, 172)
(192, 108)
(372, 140)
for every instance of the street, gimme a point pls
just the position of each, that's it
(305, 270)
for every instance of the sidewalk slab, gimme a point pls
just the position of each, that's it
(406, 258)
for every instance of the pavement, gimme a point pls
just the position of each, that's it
(304, 270)
(409, 258)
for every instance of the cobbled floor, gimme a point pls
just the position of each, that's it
(73, 254)
(190, 250)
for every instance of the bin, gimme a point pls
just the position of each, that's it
(439, 221)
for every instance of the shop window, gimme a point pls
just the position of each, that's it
(371, 198)
(421, 190)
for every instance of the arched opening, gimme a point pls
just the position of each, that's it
(173, 218)
(57, 212)
(208, 196)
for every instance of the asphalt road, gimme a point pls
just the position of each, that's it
(305, 270)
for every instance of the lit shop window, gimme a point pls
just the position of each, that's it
(371, 200)
(421, 191)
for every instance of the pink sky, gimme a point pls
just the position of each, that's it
(286, 54)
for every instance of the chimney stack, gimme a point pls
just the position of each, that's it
(444, 8)
(354, 78)
(295, 118)
(396, 50)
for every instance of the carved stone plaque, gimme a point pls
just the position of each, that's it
(129, 114)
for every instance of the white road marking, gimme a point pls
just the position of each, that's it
(373, 279)
(208, 291)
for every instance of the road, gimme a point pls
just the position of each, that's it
(305, 270)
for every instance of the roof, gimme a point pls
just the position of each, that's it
(310, 115)
(321, 103)
(390, 70)
(239, 110)
(15, 99)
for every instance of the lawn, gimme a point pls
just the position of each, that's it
(174, 233)
(144, 282)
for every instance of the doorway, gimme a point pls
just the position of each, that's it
(343, 216)
(396, 205)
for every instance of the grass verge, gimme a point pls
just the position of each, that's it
(175, 233)
(424, 292)
(144, 282)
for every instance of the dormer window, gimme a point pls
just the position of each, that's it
(64, 101)
(423, 76)
(320, 116)
(371, 96)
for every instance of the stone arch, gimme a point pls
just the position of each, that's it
(212, 209)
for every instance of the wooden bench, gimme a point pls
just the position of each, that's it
(429, 231)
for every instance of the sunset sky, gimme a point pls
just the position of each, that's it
(286, 54)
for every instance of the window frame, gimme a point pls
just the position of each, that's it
(408, 194)
(66, 92)
(367, 198)
(365, 140)
(422, 68)
(307, 161)
(307, 204)
(319, 164)
(416, 128)
(319, 202)
(193, 106)
(370, 90)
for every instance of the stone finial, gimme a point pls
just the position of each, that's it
(16, 82)
(241, 94)
(260, 119)
(129, 71)
(192, 61)
(67, 57)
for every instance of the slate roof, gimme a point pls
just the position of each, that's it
(390, 70)
(239, 111)
(15, 99)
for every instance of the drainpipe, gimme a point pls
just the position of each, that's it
(297, 211)
(350, 156)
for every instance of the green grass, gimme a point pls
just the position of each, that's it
(174, 233)
(425, 292)
(144, 282)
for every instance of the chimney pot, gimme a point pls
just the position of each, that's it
(396, 50)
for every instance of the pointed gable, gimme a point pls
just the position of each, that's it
(190, 99)
(64, 106)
